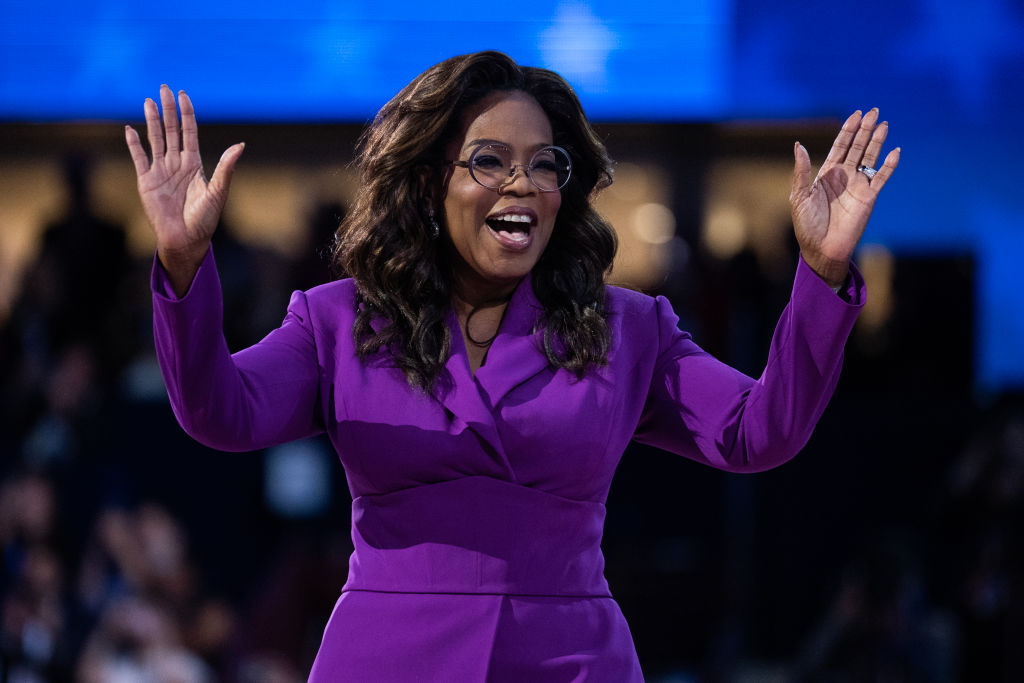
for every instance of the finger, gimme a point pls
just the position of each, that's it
(891, 161)
(221, 179)
(860, 140)
(842, 144)
(171, 129)
(139, 157)
(801, 174)
(875, 146)
(189, 130)
(154, 129)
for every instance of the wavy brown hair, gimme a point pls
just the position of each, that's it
(403, 274)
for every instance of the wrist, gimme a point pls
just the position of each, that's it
(834, 273)
(174, 258)
(181, 266)
(845, 284)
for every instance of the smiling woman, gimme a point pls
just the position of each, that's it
(498, 233)
(477, 378)
(415, 169)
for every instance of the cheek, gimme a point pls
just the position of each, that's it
(552, 208)
(464, 208)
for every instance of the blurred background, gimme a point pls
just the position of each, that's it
(888, 550)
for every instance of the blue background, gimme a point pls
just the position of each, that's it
(947, 74)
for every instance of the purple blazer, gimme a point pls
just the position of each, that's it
(477, 510)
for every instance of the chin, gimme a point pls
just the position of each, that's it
(508, 273)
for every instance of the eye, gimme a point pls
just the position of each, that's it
(546, 165)
(487, 161)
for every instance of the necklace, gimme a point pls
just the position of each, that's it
(469, 335)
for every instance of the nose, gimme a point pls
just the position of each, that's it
(518, 181)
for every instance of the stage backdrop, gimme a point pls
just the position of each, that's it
(949, 76)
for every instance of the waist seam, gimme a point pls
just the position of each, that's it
(588, 596)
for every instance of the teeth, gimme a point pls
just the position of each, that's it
(512, 218)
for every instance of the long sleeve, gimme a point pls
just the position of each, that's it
(701, 408)
(261, 396)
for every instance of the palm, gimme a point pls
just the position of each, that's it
(181, 205)
(177, 200)
(830, 214)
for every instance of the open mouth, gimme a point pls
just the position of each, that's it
(512, 228)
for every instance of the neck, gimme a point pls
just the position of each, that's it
(480, 317)
(467, 298)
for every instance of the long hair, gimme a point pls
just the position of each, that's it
(403, 274)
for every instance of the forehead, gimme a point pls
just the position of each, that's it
(514, 118)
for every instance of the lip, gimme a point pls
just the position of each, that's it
(522, 241)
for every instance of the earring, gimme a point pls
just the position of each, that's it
(434, 227)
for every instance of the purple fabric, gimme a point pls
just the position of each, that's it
(478, 510)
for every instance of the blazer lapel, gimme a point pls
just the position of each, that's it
(515, 355)
(461, 394)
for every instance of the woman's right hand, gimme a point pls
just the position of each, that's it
(182, 206)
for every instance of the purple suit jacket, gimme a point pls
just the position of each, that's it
(478, 509)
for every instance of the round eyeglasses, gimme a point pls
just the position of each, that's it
(491, 165)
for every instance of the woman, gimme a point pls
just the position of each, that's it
(477, 378)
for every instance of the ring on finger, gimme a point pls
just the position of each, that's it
(868, 171)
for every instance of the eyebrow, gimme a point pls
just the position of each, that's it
(488, 141)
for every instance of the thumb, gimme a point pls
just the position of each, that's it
(801, 174)
(225, 169)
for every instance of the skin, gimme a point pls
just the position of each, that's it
(181, 205)
(488, 268)
(830, 211)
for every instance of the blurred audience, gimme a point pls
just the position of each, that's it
(93, 587)
(99, 583)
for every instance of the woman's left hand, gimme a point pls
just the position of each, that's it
(830, 213)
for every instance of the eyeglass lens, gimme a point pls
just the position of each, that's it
(492, 166)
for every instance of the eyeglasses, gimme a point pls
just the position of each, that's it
(491, 165)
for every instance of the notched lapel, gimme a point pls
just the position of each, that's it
(516, 354)
(461, 395)
(514, 357)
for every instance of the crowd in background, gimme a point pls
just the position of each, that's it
(131, 554)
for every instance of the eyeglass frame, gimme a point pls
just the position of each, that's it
(514, 170)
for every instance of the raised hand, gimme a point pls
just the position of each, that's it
(182, 206)
(831, 213)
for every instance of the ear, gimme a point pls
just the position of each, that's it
(423, 181)
(432, 186)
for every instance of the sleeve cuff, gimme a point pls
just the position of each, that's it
(160, 283)
(852, 292)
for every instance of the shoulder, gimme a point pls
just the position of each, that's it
(337, 292)
(641, 317)
(329, 306)
(632, 317)
(626, 303)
